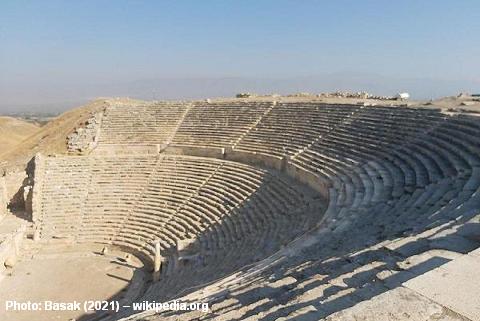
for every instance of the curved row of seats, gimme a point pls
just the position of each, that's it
(144, 124)
(135, 201)
(290, 127)
(218, 124)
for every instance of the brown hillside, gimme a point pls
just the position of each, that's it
(49, 139)
(13, 131)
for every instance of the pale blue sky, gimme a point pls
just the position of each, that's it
(54, 54)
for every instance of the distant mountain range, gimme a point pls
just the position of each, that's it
(48, 98)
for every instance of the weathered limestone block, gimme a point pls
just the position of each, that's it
(105, 250)
(10, 262)
(157, 264)
(187, 249)
(398, 304)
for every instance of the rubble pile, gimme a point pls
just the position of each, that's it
(84, 138)
(245, 95)
(358, 95)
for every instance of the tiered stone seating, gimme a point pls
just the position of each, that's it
(133, 201)
(114, 187)
(141, 124)
(361, 152)
(102, 191)
(218, 124)
(61, 203)
(172, 184)
(290, 127)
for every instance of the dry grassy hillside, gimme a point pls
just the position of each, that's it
(50, 138)
(13, 131)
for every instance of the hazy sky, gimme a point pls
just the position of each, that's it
(54, 54)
